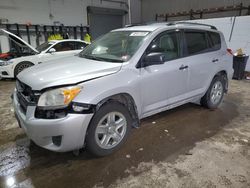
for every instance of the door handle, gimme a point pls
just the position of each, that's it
(215, 60)
(183, 67)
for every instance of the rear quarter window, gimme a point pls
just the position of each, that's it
(80, 45)
(215, 40)
(196, 42)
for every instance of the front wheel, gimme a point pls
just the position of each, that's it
(108, 129)
(214, 94)
(21, 66)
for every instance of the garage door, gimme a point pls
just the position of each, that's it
(103, 20)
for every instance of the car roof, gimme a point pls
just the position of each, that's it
(168, 25)
(139, 28)
(65, 40)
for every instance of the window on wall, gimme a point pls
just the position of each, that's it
(215, 40)
(166, 43)
(196, 42)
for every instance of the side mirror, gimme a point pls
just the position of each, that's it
(155, 58)
(52, 50)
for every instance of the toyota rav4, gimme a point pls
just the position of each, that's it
(94, 99)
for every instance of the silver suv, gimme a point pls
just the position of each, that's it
(95, 98)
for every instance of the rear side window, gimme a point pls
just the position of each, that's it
(196, 42)
(215, 40)
(80, 45)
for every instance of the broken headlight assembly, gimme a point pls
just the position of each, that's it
(57, 103)
(58, 98)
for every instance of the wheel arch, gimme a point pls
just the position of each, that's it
(126, 100)
(17, 64)
(224, 75)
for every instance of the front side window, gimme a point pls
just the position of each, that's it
(117, 46)
(44, 46)
(196, 42)
(64, 46)
(166, 43)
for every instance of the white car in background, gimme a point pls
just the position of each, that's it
(47, 51)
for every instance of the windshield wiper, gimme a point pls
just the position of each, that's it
(90, 57)
(102, 59)
(113, 60)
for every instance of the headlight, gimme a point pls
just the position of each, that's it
(5, 63)
(58, 98)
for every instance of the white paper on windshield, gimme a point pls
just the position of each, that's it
(138, 34)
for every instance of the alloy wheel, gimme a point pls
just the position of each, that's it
(110, 130)
(216, 92)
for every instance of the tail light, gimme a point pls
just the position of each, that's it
(230, 51)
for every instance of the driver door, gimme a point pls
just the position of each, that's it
(164, 84)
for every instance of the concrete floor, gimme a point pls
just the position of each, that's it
(186, 147)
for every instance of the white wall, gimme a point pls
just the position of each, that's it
(241, 33)
(152, 7)
(68, 12)
(4, 44)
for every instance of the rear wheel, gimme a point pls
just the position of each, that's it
(108, 129)
(21, 66)
(215, 93)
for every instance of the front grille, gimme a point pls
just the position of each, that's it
(25, 96)
(50, 114)
(23, 102)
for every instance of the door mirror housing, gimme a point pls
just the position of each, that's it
(52, 50)
(155, 58)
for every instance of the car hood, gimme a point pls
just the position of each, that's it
(20, 42)
(67, 71)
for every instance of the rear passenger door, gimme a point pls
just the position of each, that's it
(202, 60)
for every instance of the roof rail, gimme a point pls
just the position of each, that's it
(192, 23)
(132, 25)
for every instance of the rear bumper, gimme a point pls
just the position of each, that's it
(71, 129)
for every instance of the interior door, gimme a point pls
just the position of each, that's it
(164, 84)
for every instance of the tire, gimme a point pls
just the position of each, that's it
(104, 138)
(215, 93)
(21, 66)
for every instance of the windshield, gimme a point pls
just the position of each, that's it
(43, 46)
(117, 46)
